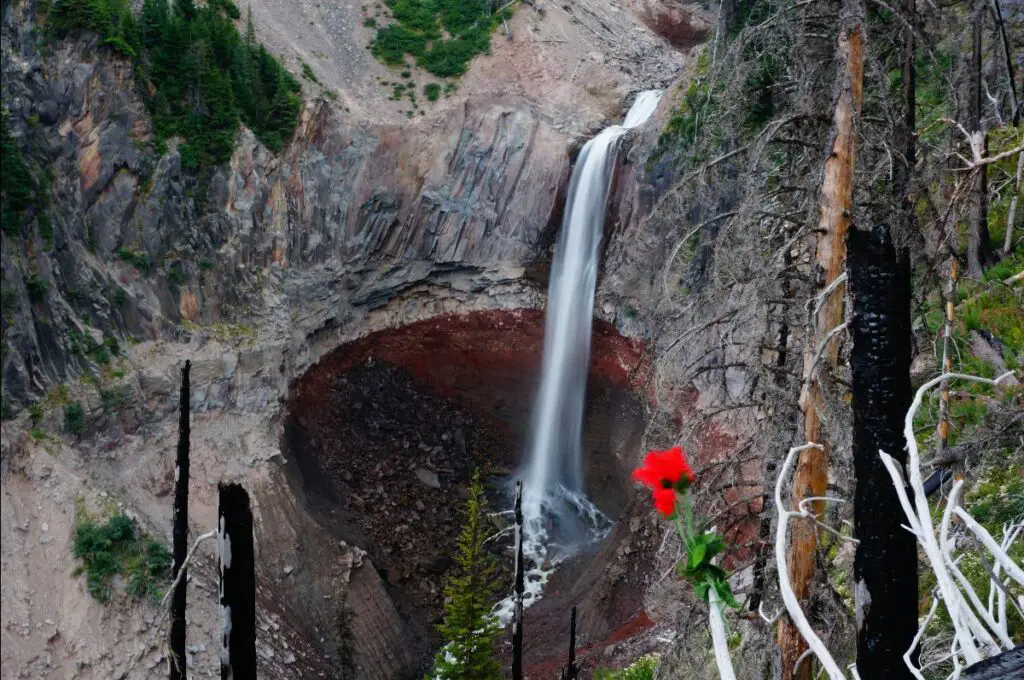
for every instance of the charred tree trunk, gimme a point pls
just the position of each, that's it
(571, 670)
(236, 562)
(907, 130)
(885, 566)
(180, 533)
(517, 607)
(834, 222)
(997, 14)
(979, 245)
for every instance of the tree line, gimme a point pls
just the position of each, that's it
(200, 77)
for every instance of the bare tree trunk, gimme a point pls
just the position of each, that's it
(517, 608)
(979, 245)
(1012, 214)
(997, 13)
(236, 561)
(885, 566)
(572, 670)
(942, 430)
(834, 222)
(180, 533)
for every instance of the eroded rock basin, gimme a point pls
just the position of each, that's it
(385, 433)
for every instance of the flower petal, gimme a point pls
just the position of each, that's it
(647, 477)
(665, 501)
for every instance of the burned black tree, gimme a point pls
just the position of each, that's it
(236, 559)
(885, 566)
(180, 533)
(572, 669)
(517, 611)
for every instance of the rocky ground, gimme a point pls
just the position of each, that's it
(398, 458)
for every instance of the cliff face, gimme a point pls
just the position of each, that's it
(255, 272)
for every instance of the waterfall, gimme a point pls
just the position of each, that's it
(554, 466)
(553, 493)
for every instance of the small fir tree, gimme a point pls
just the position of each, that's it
(469, 628)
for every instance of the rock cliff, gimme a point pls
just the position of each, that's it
(255, 272)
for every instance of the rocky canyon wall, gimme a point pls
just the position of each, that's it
(364, 222)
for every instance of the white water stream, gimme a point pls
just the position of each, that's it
(553, 492)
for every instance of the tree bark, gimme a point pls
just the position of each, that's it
(885, 566)
(180, 533)
(1011, 216)
(979, 245)
(833, 225)
(571, 670)
(236, 560)
(517, 607)
(997, 14)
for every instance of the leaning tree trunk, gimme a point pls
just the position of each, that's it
(180, 533)
(979, 245)
(236, 561)
(885, 565)
(834, 222)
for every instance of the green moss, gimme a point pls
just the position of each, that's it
(119, 547)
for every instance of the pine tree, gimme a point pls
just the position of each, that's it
(469, 629)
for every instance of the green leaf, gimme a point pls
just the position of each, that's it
(695, 555)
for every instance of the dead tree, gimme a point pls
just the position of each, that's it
(236, 560)
(885, 566)
(979, 245)
(180, 534)
(572, 669)
(517, 608)
(997, 14)
(822, 344)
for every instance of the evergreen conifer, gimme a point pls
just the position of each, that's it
(469, 628)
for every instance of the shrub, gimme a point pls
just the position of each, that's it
(308, 74)
(137, 259)
(119, 547)
(641, 669)
(432, 91)
(36, 413)
(37, 287)
(74, 418)
(442, 35)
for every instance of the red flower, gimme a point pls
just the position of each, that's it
(665, 472)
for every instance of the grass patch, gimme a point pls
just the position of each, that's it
(119, 547)
(442, 35)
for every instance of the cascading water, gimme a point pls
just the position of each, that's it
(553, 491)
(555, 457)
